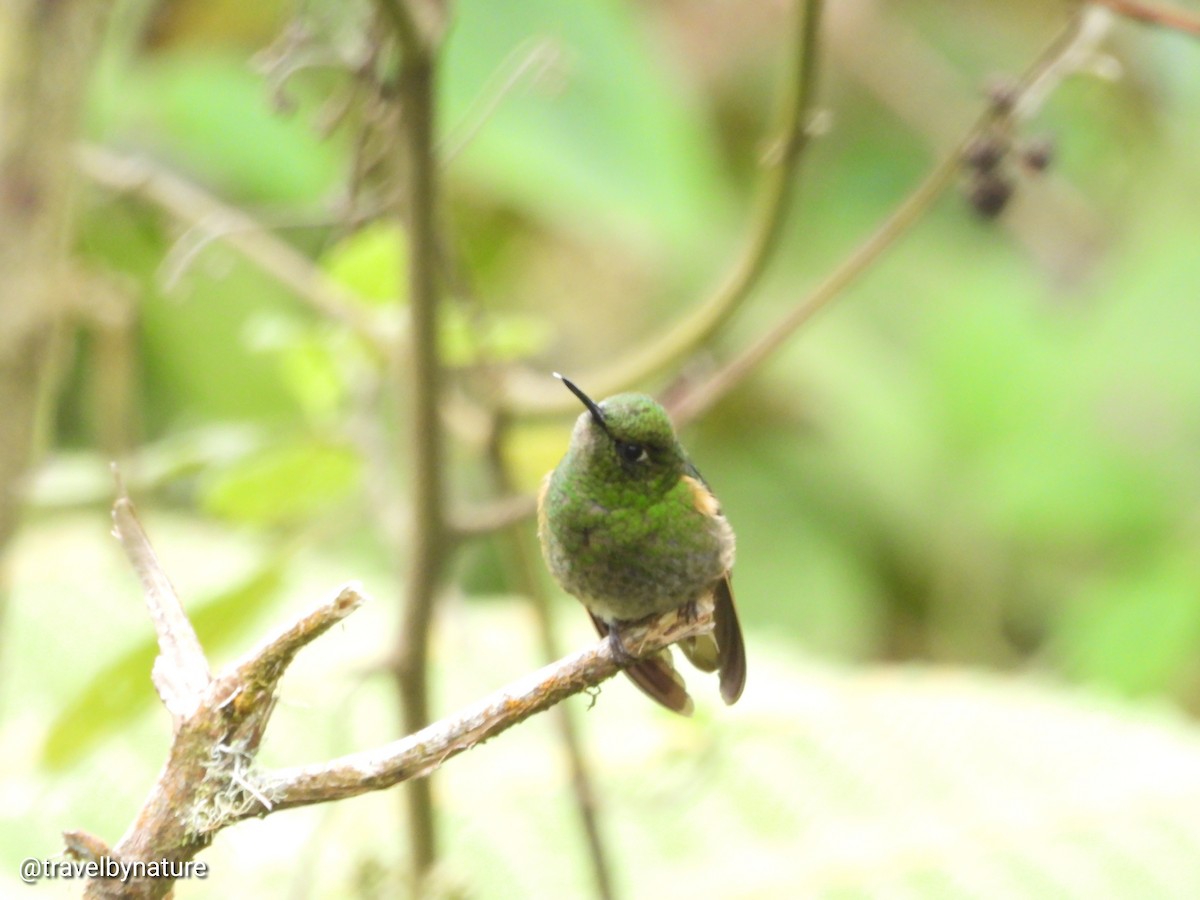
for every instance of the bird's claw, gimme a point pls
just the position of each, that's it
(622, 656)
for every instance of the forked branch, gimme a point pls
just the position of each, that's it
(210, 780)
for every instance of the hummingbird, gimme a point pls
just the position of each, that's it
(628, 526)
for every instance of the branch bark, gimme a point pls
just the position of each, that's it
(218, 723)
(181, 671)
(210, 782)
(422, 753)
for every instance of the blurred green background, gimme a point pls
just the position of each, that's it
(966, 495)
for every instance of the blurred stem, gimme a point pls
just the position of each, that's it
(1155, 14)
(523, 560)
(46, 55)
(404, 22)
(781, 161)
(114, 343)
(428, 534)
(483, 519)
(1047, 64)
(213, 219)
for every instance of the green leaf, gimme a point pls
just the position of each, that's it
(284, 484)
(569, 112)
(123, 689)
(491, 337)
(1138, 630)
(311, 372)
(211, 114)
(311, 358)
(372, 263)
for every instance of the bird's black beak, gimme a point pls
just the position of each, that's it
(595, 410)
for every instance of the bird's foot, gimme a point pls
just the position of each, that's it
(690, 611)
(622, 656)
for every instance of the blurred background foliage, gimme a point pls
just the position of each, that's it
(983, 454)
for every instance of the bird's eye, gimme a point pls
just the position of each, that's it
(632, 453)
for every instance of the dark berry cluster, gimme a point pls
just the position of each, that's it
(994, 159)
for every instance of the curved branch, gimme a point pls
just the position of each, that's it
(782, 161)
(1080, 29)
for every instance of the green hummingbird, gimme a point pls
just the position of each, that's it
(628, 526)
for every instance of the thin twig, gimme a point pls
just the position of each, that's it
(181, 670)
(1078, 51)
(1159, 14)
(250, 684)
(531, 60)
(792, 133)
(243, 233)
(911, 210)
(266, 663)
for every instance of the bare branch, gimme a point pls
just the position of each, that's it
(251, 683)
(422, 753)
(266, 663)
(206, 782)
(209, 781)
(180, 671)
(1045, 71)
(240, 231)
(1159, 14)
(1073, 50)
(83, 846)
(781, 162)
